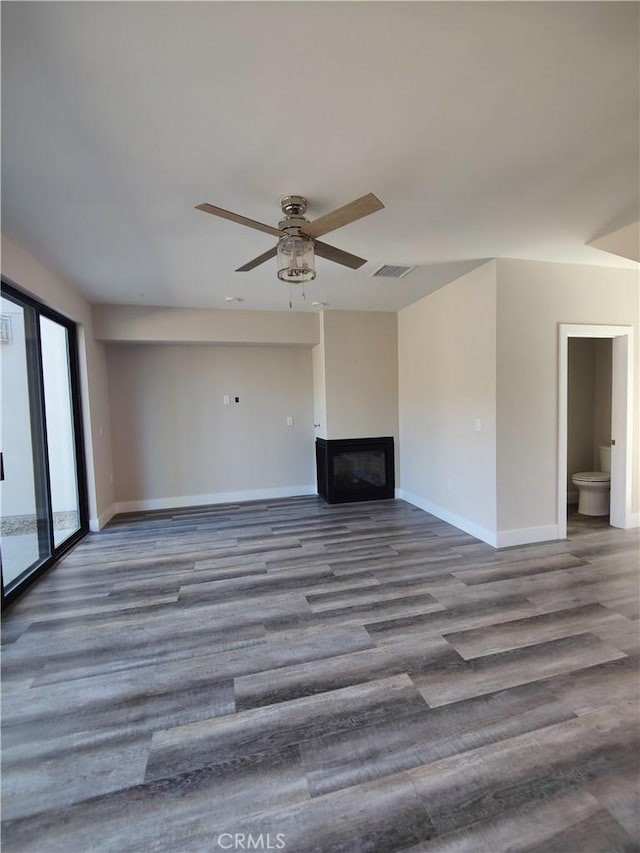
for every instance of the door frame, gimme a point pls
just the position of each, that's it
(621, 418)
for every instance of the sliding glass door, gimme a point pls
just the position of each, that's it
(42, 495)
(24, 530)
(63, 476)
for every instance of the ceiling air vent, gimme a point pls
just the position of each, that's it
(391, 271)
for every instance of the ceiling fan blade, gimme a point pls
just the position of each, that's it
(241, 220)
(344, 215)
(337, 255)
(265, 256)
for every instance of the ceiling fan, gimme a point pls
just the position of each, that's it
(298, 238)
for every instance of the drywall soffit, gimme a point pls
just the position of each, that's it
(624, 242)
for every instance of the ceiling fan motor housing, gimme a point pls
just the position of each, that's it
(293, 205)
(293, 224)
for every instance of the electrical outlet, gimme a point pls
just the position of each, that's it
(289, 420)
(226, 400)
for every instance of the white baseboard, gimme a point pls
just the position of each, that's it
(527, 536)
(634, 520)
(181, 501)
(501, 539)
(486, 535)
(96, 524)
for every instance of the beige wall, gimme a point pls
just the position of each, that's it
(533, 299)
(35, 278)
(135, 324)
(447, 380)
(361, 374)
(176, 443)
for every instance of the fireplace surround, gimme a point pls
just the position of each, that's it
(355, 469)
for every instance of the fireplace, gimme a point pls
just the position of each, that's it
(355, 469)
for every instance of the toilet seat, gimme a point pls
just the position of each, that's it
(594, 489)
(592, 477)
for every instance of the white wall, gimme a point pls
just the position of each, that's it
(533, 298)
(447, 380)
(176, 443)
(44, 283)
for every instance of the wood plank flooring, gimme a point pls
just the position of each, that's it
(297, 676)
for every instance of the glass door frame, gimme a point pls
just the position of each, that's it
(39, 435)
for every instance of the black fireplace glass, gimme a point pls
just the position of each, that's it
(358, 470)
(353, 469)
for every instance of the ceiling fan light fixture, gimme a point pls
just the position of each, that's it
(295, 259)
(298, 238)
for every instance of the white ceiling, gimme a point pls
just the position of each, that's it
(487, 129)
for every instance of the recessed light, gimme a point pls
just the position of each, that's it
(233, 299)
(319, 304)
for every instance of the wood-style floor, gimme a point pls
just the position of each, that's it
(297, 676)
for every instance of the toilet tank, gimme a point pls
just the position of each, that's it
(605, 458)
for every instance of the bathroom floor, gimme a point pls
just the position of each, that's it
(578, 523)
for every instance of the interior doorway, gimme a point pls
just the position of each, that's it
(621, 419)
(588, 429)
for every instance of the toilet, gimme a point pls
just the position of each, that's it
(593, 486)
